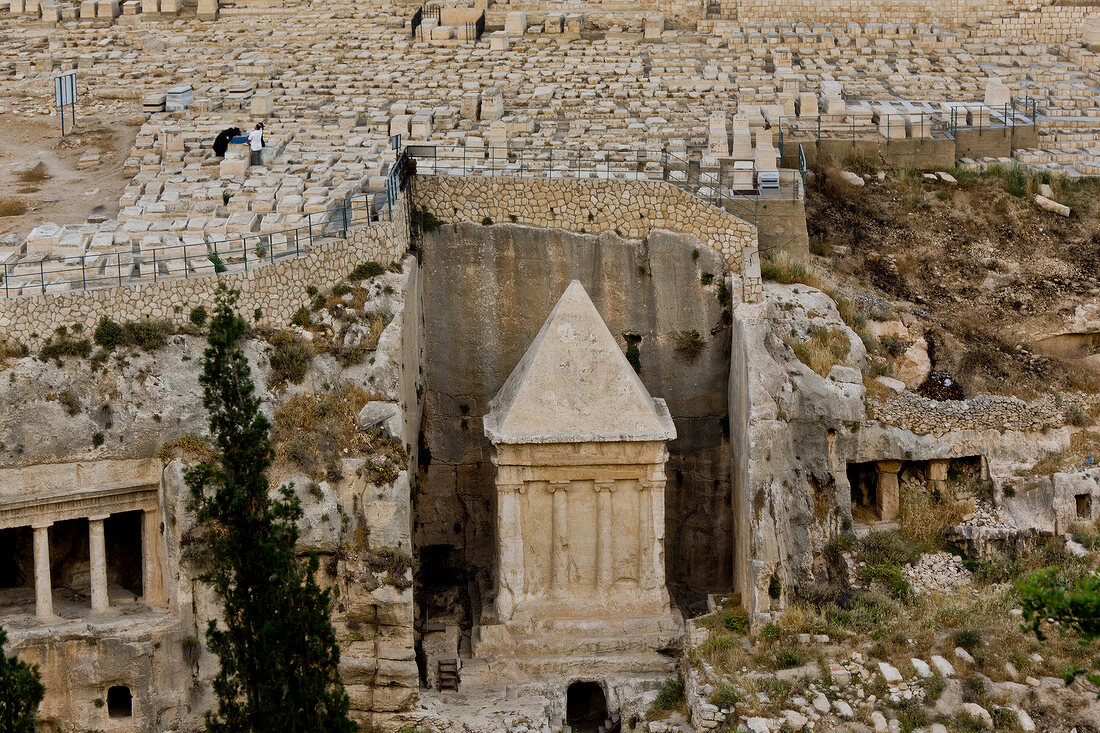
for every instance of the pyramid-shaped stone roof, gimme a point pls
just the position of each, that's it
(574, 385)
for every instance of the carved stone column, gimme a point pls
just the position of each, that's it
(511, 569)
(604, 539)
(559, 547)
(887, 492)
(43, 585)
(97, 554)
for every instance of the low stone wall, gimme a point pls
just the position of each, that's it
(632, 209)
(949, 12)
(923, 416)
(277, 290)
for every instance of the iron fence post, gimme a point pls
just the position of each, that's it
(5, 279)
(244, 248)
(118, 260)
(42, 274)
(83, 274)
(186, 266)
(154, 264)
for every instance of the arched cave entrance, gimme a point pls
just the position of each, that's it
(585, 706)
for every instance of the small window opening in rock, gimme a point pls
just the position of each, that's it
(120, 703)
(1084, 506)
(585, 707)
(775, 588)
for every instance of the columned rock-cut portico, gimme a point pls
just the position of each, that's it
(580, 451)
(122, 521)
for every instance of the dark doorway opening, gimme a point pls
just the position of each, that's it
(122, 536)
(120, 702)
(16, 546)
(70, 568)
(863, 483)
(585, 706)
(1084, 506)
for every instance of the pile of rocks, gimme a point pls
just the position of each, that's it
(984, 516)
(940, 572)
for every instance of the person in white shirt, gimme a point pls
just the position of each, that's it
(256, 144)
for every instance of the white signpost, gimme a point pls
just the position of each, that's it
(64, 94)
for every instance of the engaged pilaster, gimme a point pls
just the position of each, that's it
(604, 539)
(559, 578)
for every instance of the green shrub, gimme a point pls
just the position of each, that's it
(726, 695)
(366, 271)
(689, 344)
(789, 656)
(888, 548)
(148, 334)
(770, 632)
(301, 317)
(107, 334)
(736, 619)
(62, 344)
(671, 694)
(290, 359)
(967, 638)
(97, 438)
(891, 577)
(198, 316)
(486, 221)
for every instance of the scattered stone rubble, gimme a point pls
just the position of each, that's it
(940, 572)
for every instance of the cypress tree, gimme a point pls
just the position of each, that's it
(20, 692)
(277, 650)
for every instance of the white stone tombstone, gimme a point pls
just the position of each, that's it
(555, 23)
(996, 93)
(498, 41)
(515, 23)
(654, 27)
(492, 104)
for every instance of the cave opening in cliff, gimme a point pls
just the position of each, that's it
(585, 706)
(120, 702)
(70, 564)
(122, 535)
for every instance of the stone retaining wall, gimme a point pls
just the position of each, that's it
(923, 416)
(630, 208)
(946, 12)
(277, 290)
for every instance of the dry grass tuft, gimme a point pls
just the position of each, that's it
(315, 430)
(826, 348)
(924, 517)
(11, 206)
(782, 268)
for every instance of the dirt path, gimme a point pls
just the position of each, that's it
(68, 195)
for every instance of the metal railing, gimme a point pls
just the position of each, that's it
(719, 185)
(90, 270)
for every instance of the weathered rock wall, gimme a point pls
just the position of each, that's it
(277, 290)
(631, 209)
(138, 401)
(487, 291)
